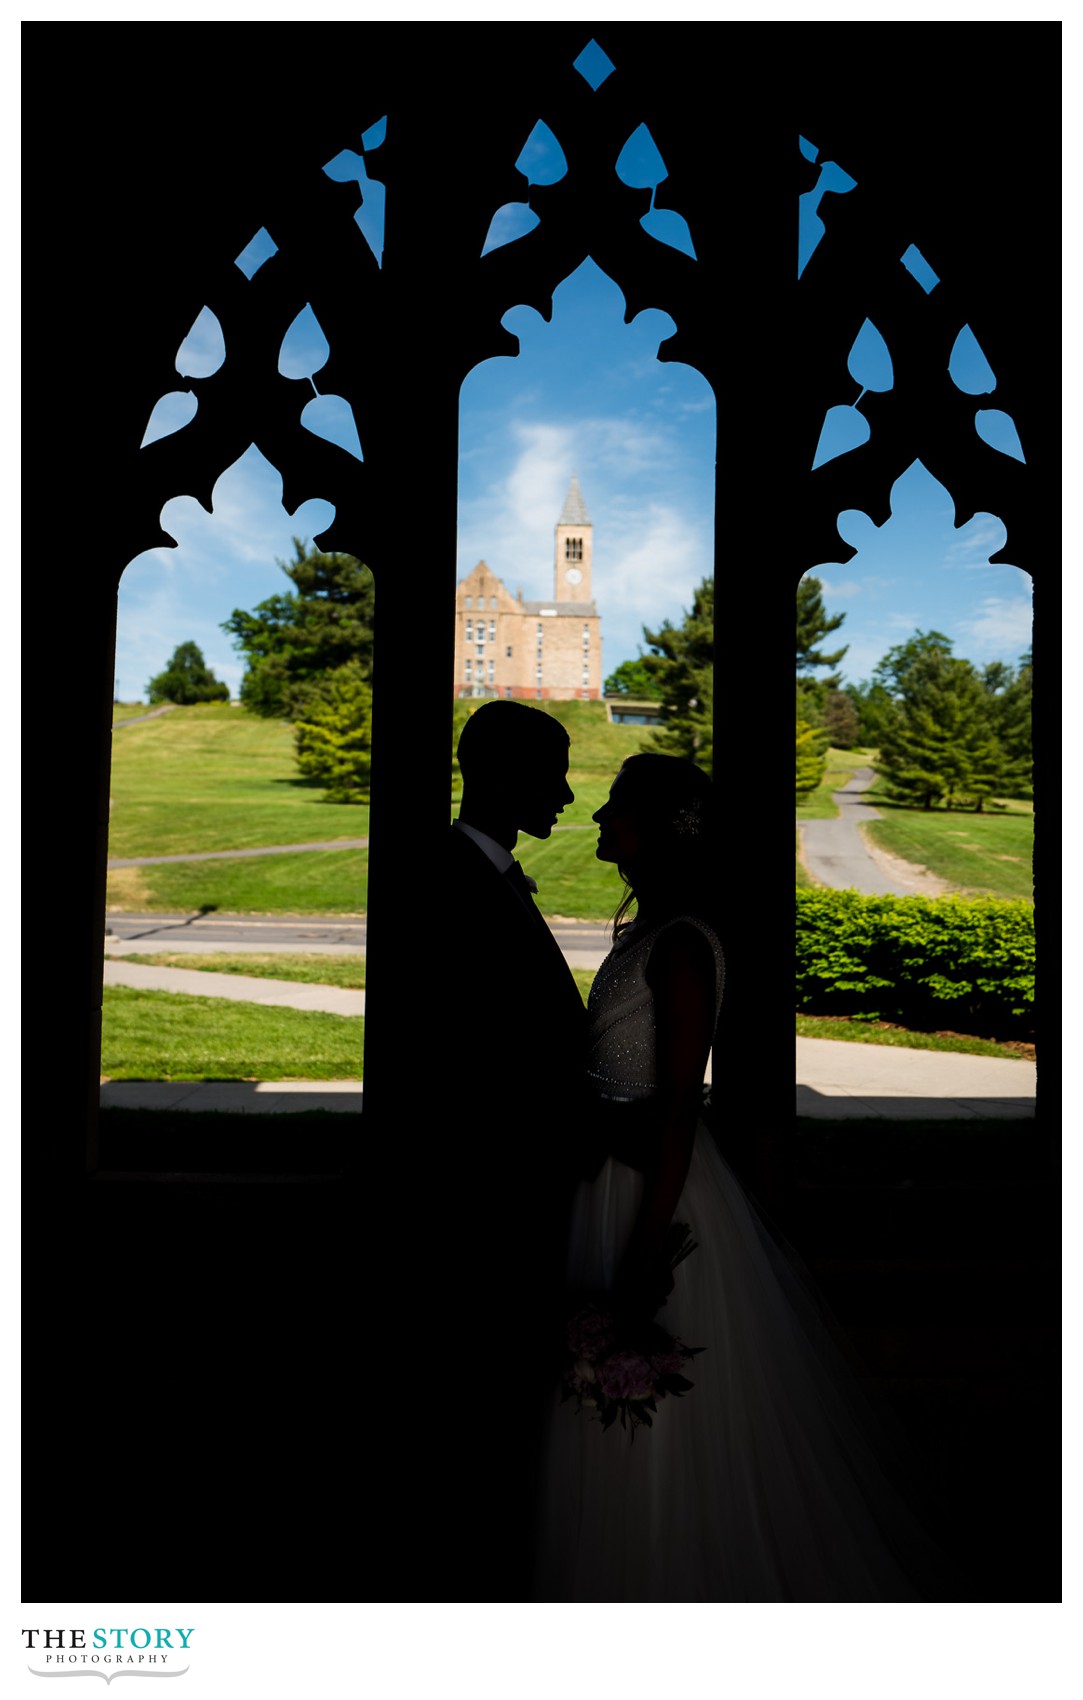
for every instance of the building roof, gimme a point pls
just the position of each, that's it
(583, 610)
(574, 511)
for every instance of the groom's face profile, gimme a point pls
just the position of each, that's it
(543, 791)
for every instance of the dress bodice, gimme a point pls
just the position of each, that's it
(622, 1060)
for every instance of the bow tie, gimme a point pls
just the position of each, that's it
(522, 881)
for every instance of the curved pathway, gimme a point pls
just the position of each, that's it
(229, 855)
(837, 853)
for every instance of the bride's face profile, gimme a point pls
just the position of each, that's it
(618, 832)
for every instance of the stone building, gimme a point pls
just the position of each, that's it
(506, 647)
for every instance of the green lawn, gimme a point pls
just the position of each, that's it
(345, 972)
(215, 777)
(123, 711)
(319, 882)
(882, 1033)
(984, 853)
(171, 1036)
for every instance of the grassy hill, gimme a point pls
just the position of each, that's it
(214, 777)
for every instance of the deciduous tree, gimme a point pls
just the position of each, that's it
(187, 679)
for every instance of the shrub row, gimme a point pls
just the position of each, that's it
(961, 963)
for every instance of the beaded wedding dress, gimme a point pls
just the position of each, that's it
(763, 1483)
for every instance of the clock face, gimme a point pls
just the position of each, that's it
(573, 575)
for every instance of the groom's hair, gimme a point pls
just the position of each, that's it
(503, 736)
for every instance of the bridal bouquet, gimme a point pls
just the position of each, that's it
(620, 1363)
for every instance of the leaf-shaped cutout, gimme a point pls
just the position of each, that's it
(331, 417)
(203, 350)
(843, 429)
(345, 167)
(374, 136)
(260, 249)
(834, 179)
(997, 428)
(810, 228)
(869, 362)
(810, 151)
(170, 413)
(639, 164)
(369, 217)
(670, 228)
(542, 157)
(509, 222)
(304, 347)
(969, 369)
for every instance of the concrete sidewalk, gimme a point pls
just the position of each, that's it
(833, 1078)
(241, 988)
(836, 1078)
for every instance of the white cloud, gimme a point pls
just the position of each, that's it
(844, 587)
(1002, 629)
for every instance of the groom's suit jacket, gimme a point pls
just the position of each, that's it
(504, 1087)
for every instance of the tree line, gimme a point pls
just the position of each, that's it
(946, 733)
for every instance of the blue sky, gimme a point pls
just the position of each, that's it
(587, 394)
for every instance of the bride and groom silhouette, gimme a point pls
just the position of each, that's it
(579, 1137)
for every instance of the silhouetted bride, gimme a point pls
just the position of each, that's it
(760, 1482)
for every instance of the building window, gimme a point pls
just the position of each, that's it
(494, 602)
(481, 651)
(492, 666)
(469, 669)
(573, 548)
(586, 675)
(492, 631)
(586, 637)
(470, 602)
(507, 652)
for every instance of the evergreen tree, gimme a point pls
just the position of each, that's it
(875, 708)
(333, 732)
(187, 679)
(811, 758)
(941, 743)
(681, 663)
(293, 638)
(1011, 716)
(813, 625)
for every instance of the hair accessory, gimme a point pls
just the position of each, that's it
(688, 822)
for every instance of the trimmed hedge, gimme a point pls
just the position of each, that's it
(963, 963)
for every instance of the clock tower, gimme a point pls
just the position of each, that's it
(573, 548)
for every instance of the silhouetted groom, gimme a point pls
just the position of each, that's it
(508, 1031)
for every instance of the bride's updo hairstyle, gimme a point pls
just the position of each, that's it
(672, 803)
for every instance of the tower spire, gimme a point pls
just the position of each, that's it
(574, 511)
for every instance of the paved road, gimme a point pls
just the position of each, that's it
(584, 943)
(837, 855)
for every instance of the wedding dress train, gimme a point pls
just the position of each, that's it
(764, 1482)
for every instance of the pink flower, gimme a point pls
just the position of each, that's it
(591, 1333)
(667, 1363)
(626, 1375)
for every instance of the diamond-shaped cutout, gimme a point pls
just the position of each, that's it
(261, 247)
(920, 269)
(594, 65)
